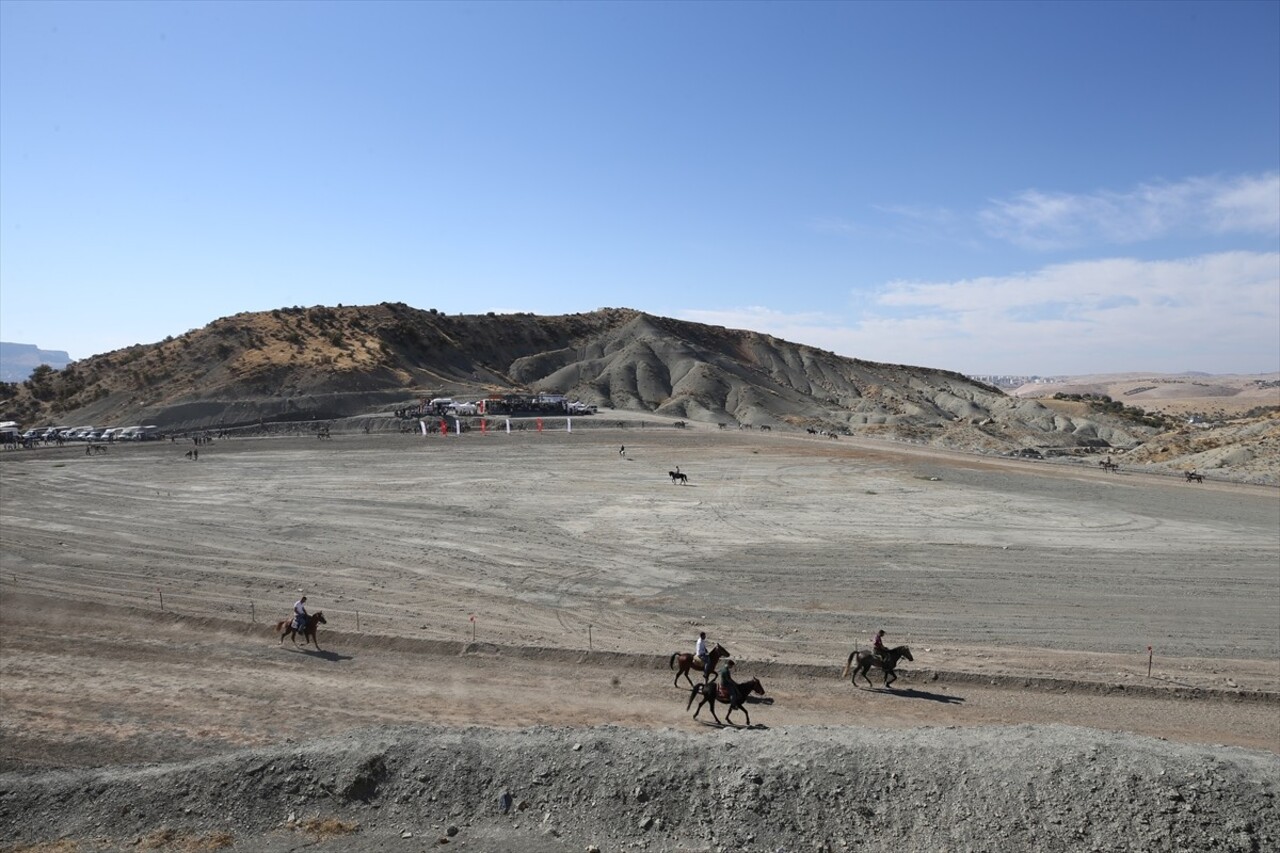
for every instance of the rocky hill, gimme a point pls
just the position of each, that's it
(326, 363)
(311, 363)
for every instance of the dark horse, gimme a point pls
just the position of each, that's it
(686, 663)
(677, 477)
(711, 692)
(285, 629)
(866, 660)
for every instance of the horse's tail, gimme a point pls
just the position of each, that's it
(849, 663)
(671, 664)
(693, 692)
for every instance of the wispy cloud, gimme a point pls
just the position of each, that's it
(1034, 219)
(1218, 313)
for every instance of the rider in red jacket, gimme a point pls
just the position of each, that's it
(877, 644)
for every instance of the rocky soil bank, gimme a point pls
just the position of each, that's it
(1034, 788)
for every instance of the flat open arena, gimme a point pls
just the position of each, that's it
(140, 587)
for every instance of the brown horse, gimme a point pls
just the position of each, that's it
(686, 663)
(866, 660)
(285, 629)
(711, 692)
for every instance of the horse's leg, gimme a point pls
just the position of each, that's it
(889, 677)
(711, 704)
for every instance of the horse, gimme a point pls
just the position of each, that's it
(1193, 477)
(677, 477)
(1108, 465)
(866, 660)
(686, 663)
(285, 629)
(711, 692)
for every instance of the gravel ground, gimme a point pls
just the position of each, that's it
(1048, 788)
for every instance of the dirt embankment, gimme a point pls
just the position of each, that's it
(1005, 788)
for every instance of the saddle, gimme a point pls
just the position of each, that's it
(722, 693)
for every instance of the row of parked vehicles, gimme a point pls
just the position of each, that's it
(92, 434)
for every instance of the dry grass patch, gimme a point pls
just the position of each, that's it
(186, 842)
(326, 827)
(62, 845)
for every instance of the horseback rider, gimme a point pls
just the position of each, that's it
(877, 645)
(701, 655)
(727, 684)
(300, 616)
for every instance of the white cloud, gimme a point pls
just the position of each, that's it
(1218, 313)
(1246, 204)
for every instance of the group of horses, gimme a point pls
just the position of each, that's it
(707, 693)
(860, 662)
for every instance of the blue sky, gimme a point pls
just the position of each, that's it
(985, 187)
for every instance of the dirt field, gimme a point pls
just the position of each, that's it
(1028, 592)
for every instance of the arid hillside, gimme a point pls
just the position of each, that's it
(303, 365)
(1187, 396)
(317, 363)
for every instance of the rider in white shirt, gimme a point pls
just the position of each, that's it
(700, 652)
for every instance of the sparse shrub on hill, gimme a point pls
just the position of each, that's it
(1103, 403)
(41, 383)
